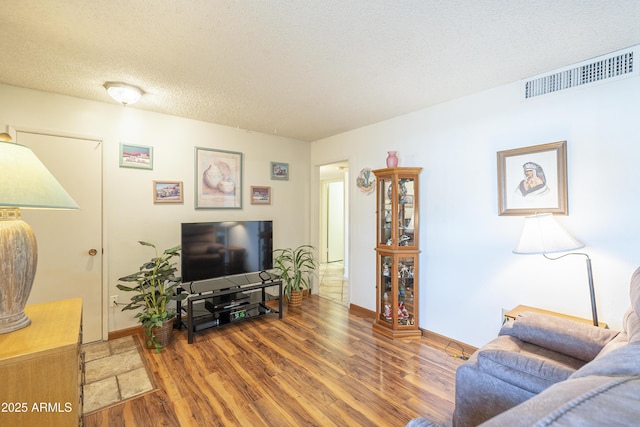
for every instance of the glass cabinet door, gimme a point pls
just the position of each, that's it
(406, 306)
(396, 217)
(386, 295)
(397, 293)
(406, 196)
(384, 212)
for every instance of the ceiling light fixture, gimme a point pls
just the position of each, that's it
(124, 93)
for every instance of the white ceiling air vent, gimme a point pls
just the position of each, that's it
(615, 65)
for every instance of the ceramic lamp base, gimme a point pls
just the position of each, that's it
(18, 260)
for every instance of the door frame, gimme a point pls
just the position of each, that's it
(103, 252)
(316, 213)
(324, 218)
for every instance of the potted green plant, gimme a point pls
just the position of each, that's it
(294, 267)
(155, 284)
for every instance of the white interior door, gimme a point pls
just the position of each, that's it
(335, 221)
(65, 238)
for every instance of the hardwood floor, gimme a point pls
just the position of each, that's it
(318, 366)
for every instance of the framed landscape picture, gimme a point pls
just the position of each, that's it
(168, 192)
(260, 195)
(218, 179)
(136, 156)
(533, 180)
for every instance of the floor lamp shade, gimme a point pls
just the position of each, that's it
(24, 183)
(541, 234)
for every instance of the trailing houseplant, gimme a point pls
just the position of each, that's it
(154, 287)
(295, 268)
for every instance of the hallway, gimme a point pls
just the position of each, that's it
(333, 285)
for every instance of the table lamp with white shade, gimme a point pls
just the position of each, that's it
(24, 183)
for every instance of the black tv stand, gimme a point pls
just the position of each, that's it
(225, 300)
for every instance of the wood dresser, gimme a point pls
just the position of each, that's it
(41, 368)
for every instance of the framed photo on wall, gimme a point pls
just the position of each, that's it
(136, 156)
(218, 179)
(279, 170)
(168, 192)
(260, 195)
(533, 180)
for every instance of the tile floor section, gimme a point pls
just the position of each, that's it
(114, 371)
(333, 285)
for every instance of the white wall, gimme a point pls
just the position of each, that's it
(467, 272)
(129, 212)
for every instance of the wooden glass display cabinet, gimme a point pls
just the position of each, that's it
(397, 252)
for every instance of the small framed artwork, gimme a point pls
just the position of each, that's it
(168, 192)
(533, 180)
(279, 170)
(218, 180)
(136, 156)
(260, 195)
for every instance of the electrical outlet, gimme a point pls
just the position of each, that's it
(504, 315)
(114, 300)
(505, 311)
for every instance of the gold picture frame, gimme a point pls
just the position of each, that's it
(168, 192)
(533, 180)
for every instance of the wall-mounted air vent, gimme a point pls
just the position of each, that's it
(615, 65)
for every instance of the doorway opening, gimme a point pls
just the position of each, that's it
(334, 196)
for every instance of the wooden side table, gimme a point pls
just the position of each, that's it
(512, 314)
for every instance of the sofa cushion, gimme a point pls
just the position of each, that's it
(634, 292)
(196, 248)
(525, 370)
(624, 361)
(565, 336)
(618, 342)
(201, 248)
(214, 248)
(421, 422)
(631, 323)
(613, 403)
(587, 401)
(480, 394)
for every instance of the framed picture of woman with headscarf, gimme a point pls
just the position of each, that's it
(533, 180)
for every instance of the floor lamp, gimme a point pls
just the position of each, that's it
(541, 234)
(24, 183)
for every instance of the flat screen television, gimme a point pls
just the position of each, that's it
(218, 249)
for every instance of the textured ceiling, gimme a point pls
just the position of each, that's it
(304, 69)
